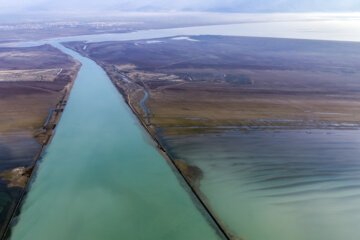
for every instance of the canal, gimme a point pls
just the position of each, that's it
(102, 176)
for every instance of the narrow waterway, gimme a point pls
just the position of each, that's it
(146, 109)
(103, 178)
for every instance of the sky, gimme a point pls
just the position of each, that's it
(251, 6)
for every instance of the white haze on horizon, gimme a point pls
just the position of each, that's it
(253, 6)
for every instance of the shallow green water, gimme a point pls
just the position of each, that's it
(279, 185)
(102, 178)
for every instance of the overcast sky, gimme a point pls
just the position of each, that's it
(19, 6)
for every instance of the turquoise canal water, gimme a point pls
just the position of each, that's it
(279, 185)
(102, 177)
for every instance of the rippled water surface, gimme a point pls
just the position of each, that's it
(279, 185)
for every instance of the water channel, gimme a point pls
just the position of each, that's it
(103, 178)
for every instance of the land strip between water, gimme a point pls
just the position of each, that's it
(184, 170)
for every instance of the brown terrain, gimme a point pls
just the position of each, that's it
(213, 82)
(207, 84)
(34, 85)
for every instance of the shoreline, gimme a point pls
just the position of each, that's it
(44, 136)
